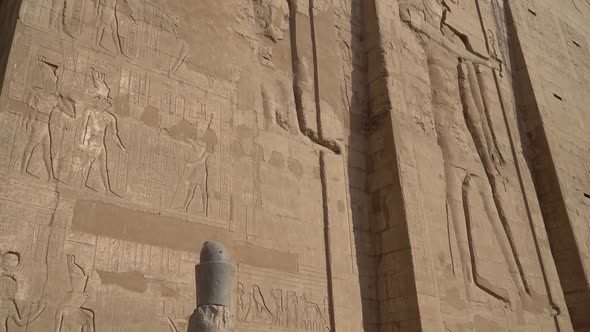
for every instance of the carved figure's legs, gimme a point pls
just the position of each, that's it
(99, 33)
(115, 36)
(472, 190)
(56, 16)
(46, 146)
(39, 137)
(501, 236)
(27, 154)
(453, 178)
(104, 172)
(86, 169)
(196, 188)
(473, 108)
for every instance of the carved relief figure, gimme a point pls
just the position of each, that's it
(193, 182)
(259, 312)
(279, 318)
(71, 316)
(292, 309)
(107, 20)
(244, 303)
(9, 312)
(466, 140)
(98, 123)
(312, 317)
(44, 100)
(287, 310)
(197, 173)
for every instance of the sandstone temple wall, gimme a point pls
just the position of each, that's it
(371, 165)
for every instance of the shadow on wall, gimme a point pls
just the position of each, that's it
(8, 17)
(358, 169)
(540, 161)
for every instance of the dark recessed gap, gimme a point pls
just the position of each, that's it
(587, 195)
(576, 43)
(532, 12)
(558, 96)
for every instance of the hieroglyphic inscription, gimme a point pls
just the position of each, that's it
(113, 255)
(277, 301)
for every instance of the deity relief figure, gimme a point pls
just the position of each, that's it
(44, 100)
(99, 123)
(71, 316)
(9, 312)
(471, 157)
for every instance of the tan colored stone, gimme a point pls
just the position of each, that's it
(370, 165)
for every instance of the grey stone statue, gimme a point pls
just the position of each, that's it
(214, 284)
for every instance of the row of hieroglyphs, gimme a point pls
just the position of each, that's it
(273, 301)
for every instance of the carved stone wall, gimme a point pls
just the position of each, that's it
(555, 113)
(371, 165)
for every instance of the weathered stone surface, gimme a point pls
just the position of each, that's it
(369, 165)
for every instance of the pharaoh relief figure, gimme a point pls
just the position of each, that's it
(99, 123)
(470, 153)
(44, 99)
